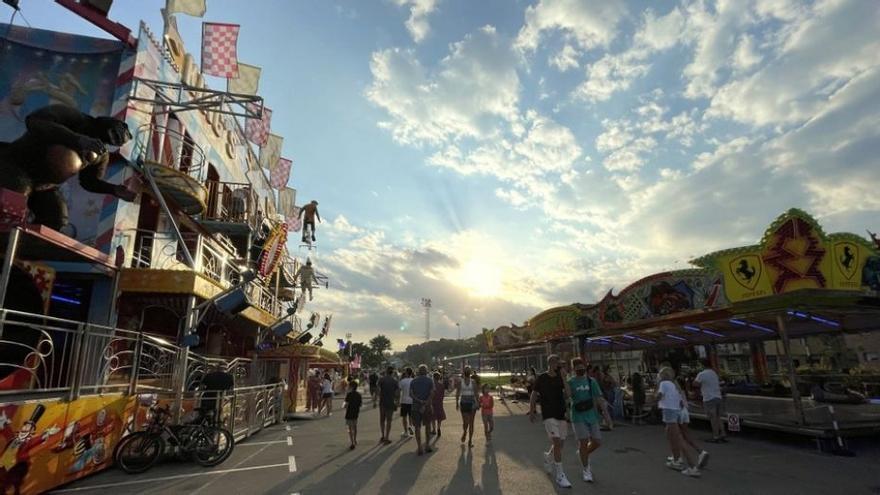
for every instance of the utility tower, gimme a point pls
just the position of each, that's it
(426, 303)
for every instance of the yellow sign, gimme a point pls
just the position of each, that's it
(794, 254)
(745, 277)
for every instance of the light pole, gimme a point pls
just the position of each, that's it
(459, 330)
(426, 303)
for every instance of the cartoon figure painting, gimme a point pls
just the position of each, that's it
(15, 460)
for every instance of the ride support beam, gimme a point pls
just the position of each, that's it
(792, 373)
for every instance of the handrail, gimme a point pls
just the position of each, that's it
(171, 148)
(65, 358)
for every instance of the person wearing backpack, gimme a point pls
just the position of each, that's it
(584, 394)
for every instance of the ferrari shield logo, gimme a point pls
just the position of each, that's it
(846, 255)
(746, 270)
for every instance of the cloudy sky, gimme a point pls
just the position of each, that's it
(505, 156)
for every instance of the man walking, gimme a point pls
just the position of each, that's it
(549, 388)
(585, 395)
(710, 389)
(388, 388)
(421, 391)
(374, 387)
(406, 402)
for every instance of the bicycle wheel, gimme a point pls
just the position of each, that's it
(213, 447)
(138, 452)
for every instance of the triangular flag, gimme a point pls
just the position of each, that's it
(247, 82)
(195, 8)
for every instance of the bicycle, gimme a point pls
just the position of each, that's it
(201, 440)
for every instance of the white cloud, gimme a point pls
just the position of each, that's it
(745, 57)
(610, 74)
(419, 10)
(615, 72)
(589, 24)
(473, 91)
(660, 33)
(837, 43)
(566, 59)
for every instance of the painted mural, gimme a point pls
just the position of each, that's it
(46, 444)
(794, 254)
(59, 68)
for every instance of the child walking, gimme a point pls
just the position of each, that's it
(352, 411)
(487, 403)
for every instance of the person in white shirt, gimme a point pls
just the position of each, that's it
(406, 402)
(671, 402)
(713, 404)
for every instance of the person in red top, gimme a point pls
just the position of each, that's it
(487, 403)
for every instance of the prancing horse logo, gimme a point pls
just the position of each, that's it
(746, 270)
(846, 255)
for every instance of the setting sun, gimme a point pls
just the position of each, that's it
(481, 278)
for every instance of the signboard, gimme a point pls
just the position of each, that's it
(273, 250)
(733, 423)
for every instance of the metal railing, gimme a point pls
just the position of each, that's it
(52, 357)
(163, 251)
(169, 147)
(232, 202)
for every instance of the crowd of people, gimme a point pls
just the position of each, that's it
(573, 397)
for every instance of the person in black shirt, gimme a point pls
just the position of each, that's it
(549, 388)
(352, 411)
(374, 387)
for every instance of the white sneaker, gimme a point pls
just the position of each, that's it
(562, 480)
(703, 459)
(677, 465)
(588, 474)
(548, 463)
(404, 435)
(693, 472)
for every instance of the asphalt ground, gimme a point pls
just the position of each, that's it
(312, 457)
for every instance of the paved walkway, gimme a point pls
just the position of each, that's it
(312, 457)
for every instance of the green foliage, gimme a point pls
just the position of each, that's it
(434, 350)
(380, 344)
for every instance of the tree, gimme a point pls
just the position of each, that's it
(379, 344)
(369, 358)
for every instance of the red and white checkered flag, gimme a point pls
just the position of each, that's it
(293, 222)
(219, 54)
(280, 173)
(257, 130)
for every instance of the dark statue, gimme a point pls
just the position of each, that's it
(61, 142)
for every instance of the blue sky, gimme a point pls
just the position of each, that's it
(502, 157)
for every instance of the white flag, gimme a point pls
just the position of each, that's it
(270, 153)
(247, 82)
(194, 8)
(286, 200)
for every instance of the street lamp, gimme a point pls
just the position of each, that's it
(459, 330)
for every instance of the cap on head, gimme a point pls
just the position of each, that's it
(314, 202)
(423, 369)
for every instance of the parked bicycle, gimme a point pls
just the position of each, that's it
(201, 440)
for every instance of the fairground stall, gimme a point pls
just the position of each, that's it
(789, 323)
(129, 302)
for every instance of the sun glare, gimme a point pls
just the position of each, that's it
(481, 278)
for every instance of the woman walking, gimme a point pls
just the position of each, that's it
(438, 413)
(326, 394)
(671, 403)
(466, 402)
